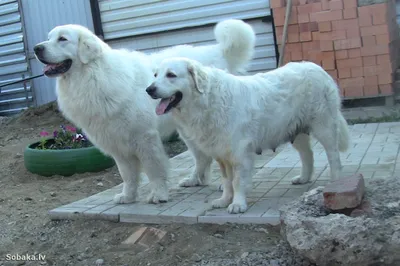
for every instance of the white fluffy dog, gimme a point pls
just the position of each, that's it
(231, 118)
(102, 90)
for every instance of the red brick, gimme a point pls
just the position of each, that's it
(379, 14)
(354, 91)
(382, 39)
(344, 24)
(374, 30)
(336, 5)
(368, 41)
(303, 18)
(371, 90)
(279, 16)
(315, 35)
(293, 37)
(293, 29)
(377, 70)
(293, 47)
(371, 80)
(341, 54)
(326, 45)
(364, 16)
(356, 72)
(347, 43)
(324, 26)
(310, 46)
(277, 3)
(312, 26)
(332, 35)
(305, 36)
(328, 60)
(383, 59)
(349, 13)
(375, 50)
(296, 55)
(326, 15)
(309, 8)
(303, 2)
(355, 52)
(385, 78)
(325, 4)
(353, 32)
(369, 60)
(333, 73)
(349, 3)
(386, 89)
(315, 56)
(344, 73)
(348, 63)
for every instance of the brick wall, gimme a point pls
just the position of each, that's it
(355, 44)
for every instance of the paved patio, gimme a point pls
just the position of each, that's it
(374, 152)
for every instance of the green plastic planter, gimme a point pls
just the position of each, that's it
(65, 162)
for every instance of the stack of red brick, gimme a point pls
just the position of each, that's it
(355, 45)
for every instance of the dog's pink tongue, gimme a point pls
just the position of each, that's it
(162, 106)
(48, 67)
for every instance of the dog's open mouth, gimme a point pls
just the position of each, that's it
(57, 69)
(166, 104)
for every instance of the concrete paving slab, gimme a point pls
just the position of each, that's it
(374, 152)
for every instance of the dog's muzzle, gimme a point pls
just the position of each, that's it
(39, 49)
(151, 90)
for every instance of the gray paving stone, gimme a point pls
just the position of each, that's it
(373, 152)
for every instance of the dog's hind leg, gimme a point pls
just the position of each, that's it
(202, 171)
(129, 169)
(303, 146)
(156, 165)
(227, 194)
(327, 133)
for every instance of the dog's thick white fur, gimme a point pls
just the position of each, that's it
(102, 90)
(231, 118)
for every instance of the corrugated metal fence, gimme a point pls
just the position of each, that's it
(123, 18)
(13, 60)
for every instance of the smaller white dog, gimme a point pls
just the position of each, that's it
(232, 118)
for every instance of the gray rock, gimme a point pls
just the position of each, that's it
(327, 238)
(99, 262)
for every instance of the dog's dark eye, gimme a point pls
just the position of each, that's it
(171, 75)
(155, 75)
(62, 39)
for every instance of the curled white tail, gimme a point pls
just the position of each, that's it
(237, 40)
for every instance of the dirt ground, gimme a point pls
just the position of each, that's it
(25, 227)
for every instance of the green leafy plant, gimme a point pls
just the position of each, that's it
(67, 138)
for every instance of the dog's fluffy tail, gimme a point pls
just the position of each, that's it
(344, 138)
(237, 40)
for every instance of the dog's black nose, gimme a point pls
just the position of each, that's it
(38, 49)
(151, 90)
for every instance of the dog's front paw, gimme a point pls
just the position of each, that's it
(158, 196)
(189, 182)
(121, 198)
(297, 180)
(220, 203)
(237, 207)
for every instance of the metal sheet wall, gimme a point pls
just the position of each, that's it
(40, 17)
(264, 58)
(124, 18)
(13, 59)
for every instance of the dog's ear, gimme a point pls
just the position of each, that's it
(199, 76)
(89, 48)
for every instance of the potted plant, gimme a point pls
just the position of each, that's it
(65, 153)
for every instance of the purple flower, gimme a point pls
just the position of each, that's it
(44, 133)
(55, 133)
